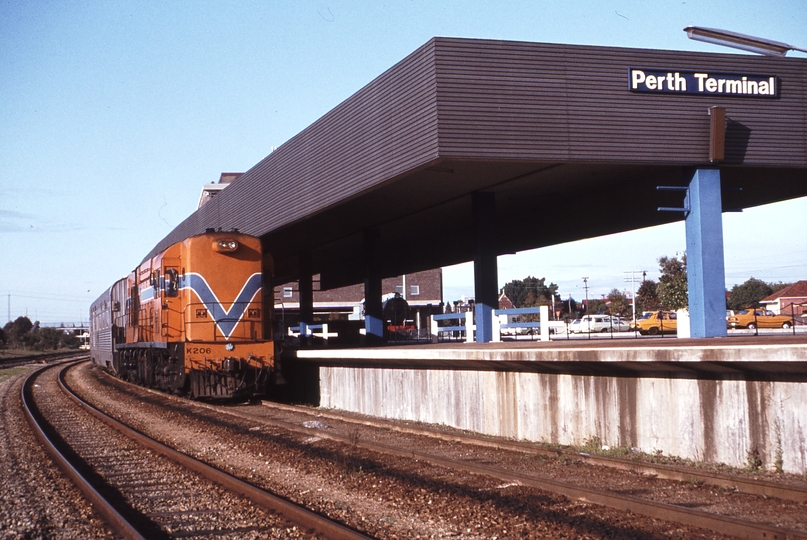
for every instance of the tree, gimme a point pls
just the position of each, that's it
(776, 287)
(531, 292)
(18, 332)
(22, 333)
(49, 338)
(595, 307)
(618, 304)
(748, 294)
(672, 286)
(69, 341)
(647, 297)
(569, 308)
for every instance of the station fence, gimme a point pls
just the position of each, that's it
(506, 324)
(503, 324)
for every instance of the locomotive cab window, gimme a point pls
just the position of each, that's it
(171, 282)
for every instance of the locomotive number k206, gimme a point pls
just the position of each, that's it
(190, 319)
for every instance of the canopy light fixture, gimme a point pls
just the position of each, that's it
(757, 45)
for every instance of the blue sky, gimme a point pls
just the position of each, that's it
(114, 114)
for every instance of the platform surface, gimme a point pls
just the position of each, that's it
(765, 357)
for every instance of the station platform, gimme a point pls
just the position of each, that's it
(747, 357)
(715, 400)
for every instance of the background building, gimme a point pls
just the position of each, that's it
(423, 291)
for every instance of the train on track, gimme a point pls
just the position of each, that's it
(397, 324)
(194, 319)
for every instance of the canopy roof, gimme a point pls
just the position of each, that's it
(556, 132)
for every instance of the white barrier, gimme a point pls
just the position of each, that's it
(500, 321)
(468, 327)
(500, 318)
(307, 330)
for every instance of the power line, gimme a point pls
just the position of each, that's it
(55, 298)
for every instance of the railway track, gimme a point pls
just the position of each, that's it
(311, 425)
(46, 358)
(145, 489)
(752, 486)
(740, 528)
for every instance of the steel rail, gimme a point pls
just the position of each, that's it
(16, 361)
(295, 513)
(740, 528)
(751, 486)
(100, 504)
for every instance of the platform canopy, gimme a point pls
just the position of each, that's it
(571, 140)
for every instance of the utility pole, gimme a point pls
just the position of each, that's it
(632, 280)
(585, 286)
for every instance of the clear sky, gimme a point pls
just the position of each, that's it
(114, 114)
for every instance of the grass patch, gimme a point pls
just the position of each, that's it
(7, 354)
(7, 373)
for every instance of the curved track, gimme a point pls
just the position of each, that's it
(740, 528)
(459, 454)
(139, 492)
(45, 435)
(753, 486)
(14, 361)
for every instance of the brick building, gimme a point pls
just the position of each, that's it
(789, 301)
(422, 290)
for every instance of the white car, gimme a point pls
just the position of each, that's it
(600, 323)
(621, 325)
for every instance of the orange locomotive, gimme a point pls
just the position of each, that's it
(191, 319)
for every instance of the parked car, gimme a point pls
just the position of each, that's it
(574, 327)
(599, 323)
(622, 324)
(758, 318)
(657, 322)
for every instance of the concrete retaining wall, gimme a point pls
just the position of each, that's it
(705, 420)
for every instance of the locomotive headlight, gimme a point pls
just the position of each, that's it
(230, 346)
(225, 245)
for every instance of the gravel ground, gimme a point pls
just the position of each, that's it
(36, 501)
(389, 497)
(166, 500)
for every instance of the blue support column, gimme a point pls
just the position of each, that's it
(306, 291)
(486, 279)
(706, 276)
(373, 308)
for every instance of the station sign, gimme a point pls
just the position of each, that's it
(702, 83)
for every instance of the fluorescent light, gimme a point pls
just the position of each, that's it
(767, 47)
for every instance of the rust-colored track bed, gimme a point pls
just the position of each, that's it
(755, 486)
(741, 528)
(489, 489)
(145, 489)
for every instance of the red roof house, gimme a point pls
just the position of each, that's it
(789, 300)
